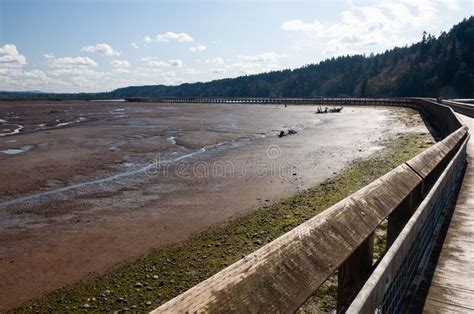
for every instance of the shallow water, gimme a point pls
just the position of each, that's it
(17, 128)
(15, 151)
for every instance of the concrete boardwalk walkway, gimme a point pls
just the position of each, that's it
(452, 286)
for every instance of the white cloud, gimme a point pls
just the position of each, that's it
(248, 64)
(103, 49)
(175, 63)
(451, 4)
(383, 24)
(246, 68)
(17, 79)
(191, 71)
(169, 74)
(134, 45)
(155, 62)
(169, 36)
(120, 64)
(299, 25)
(75, 72)
(337, 48)
(264, 57)
(70, 62)
(198, 48)
(81, 74)
(72, 67)
(153, 76)
(215, 61)
(10, 57)
(19, 73)
(61, 76)
(217, 71)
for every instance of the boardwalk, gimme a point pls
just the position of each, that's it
(452, 286)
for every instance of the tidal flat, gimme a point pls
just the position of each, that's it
(218, 183)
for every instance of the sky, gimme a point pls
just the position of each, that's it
(100, 45)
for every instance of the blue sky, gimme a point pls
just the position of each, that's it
(74, 46)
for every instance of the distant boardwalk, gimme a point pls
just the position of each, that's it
(274, 100)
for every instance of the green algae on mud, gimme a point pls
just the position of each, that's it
(152, 280)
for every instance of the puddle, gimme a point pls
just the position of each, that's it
(118, 111)
(172, 140)
(62, 124)
(43, 126)
(117, 145)
(15, 151)
(80, 119)
(15, 131)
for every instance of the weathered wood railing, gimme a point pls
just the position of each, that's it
(385, 290)
(281, 275)
(461, 107)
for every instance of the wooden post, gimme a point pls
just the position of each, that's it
(398, 219)
(353, 273)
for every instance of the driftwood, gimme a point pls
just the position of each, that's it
(329, 110)
(290, 132)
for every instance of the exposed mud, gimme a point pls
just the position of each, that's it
(105, 182)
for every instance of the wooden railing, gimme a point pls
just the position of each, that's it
(461, 107)
(281, 275)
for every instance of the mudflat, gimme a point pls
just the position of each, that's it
(88, 185)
